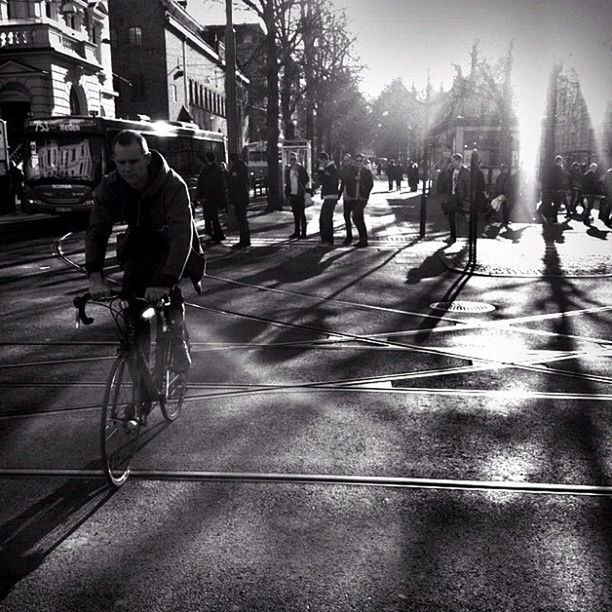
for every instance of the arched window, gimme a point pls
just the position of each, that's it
(75, 105)
(135, 36)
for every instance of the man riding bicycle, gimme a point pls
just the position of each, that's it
(144, 192)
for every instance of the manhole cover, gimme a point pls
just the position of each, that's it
(463, 306)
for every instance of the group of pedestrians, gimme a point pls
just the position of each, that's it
(577, 191)
(353, 182)
(220, 187)
(395, 174)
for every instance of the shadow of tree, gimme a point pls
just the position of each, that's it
(28, 538)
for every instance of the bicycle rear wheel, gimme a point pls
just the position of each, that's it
(120, 425)
(172, 385)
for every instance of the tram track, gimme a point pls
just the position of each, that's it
(373, 342)
(357, 384)
(490, 486)
(219, 391)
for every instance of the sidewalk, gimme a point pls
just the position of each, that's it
(524, 249)
(531, 250)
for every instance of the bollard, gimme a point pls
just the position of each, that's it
(423, 214)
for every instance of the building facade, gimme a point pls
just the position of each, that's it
(165, 69)
(574, 136)
(54, 60)
(465, 119)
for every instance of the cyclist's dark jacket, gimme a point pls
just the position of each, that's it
(160, 217)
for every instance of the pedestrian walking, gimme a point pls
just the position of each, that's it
(479, 197)
(592, 189)
(211, 193)
(413, 176)
(238, 191)
(458, 193)
(329, 178)
(501, 189)
(554, 194)
(575, 185)
(358, 186)
(296, 185)
(394, 175)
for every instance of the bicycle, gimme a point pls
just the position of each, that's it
(133, 386)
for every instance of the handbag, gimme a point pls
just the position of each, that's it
(496, 203)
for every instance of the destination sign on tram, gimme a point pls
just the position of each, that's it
(61, 125)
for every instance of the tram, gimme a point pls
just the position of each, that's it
(67, 156)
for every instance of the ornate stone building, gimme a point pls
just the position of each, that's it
(54, 60)
(574, 136)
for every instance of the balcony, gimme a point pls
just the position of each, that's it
(21, 35)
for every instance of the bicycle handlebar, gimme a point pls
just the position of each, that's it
(80, 302)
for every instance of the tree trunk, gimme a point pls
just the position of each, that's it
(307, 16)
(272, 113)
(287, 83)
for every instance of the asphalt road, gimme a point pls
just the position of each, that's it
(344, 445)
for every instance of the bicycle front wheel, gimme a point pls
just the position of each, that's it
(173, 384)
(120, 425)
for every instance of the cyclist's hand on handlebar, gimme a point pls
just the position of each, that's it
(155, 294)
(97, 287)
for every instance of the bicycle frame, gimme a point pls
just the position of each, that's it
(133, 386)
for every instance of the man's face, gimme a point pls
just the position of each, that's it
(455, 163)
(293, 160)
(132, 165)
(593, 167)
(359, 160)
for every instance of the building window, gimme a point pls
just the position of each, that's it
(135, 37)
(173, 93)
(190, 91)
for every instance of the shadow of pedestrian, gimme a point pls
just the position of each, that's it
(597, 233)
(553, 232)
(514, 235)
(28, 538)
(430, 267)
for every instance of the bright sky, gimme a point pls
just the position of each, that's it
(405, 38)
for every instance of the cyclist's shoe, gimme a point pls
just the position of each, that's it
(181, 360)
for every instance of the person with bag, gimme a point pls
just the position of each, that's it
(296, 189)
(158, 246)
